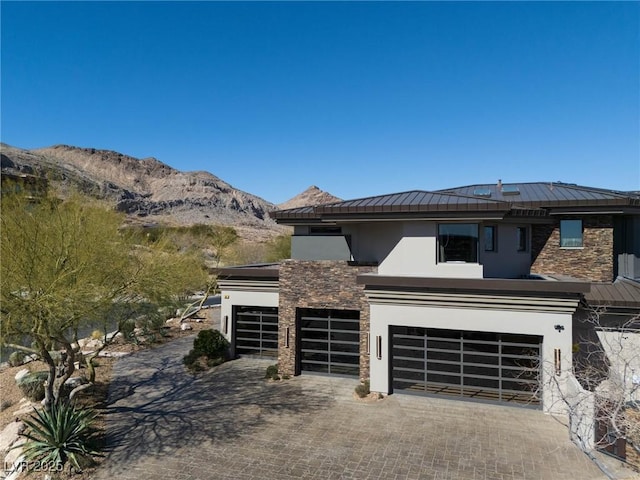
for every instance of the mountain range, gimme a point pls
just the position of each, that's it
(150, 191)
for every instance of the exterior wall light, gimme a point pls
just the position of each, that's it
(559, 327)
(557, 360)
(225, 325)
(379, 347)
(286, 337)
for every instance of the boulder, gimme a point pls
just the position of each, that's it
(9, 435)
(14, 454)
(186, 326)
(21, 373)
(74, 382)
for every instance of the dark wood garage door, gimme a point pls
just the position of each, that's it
(495, 367)
(329, 341)
(256, 331)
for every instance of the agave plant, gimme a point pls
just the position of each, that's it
(62, 434)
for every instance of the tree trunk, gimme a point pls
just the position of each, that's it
(49, 397)
(68, 367)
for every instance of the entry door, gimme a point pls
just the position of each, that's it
(329, 341)
(496, 367)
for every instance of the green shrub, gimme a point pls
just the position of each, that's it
(61, 435)
(126, 329)
(4, 404)
(209, 348)
(32, 385)
(214, 362)
(190, 358)
(272, 372)
(211, 344)
(363, 390)
(16, 359)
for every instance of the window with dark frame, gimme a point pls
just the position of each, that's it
(325, 230)
(458, 242)
(522, 239)
(571, 233)
(490, 244)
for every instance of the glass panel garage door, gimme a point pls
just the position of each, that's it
(485, 366)
(256, 331)
(330, 341)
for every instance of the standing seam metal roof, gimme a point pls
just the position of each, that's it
(531, 197)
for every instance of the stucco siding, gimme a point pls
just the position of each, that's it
(483, 320)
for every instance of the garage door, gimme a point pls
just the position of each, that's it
(329, 341)
(476, 365)
(256, 331)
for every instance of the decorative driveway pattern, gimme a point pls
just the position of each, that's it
(232, 424)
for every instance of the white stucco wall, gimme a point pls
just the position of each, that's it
(410, 248)
(405, 248)
(485, 320)
(506, 261)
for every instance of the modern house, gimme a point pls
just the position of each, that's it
(475, 292)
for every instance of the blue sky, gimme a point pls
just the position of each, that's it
(358, 98)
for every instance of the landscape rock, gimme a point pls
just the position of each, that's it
(90, 343)
(74, 382)
(9, 435)
(21, 373)
(15, 451)
(186, 326)
(25, 409)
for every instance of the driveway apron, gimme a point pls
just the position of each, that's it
(230, 423)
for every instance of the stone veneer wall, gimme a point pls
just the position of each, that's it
(592, 262)
(633, 457)
(319, 284)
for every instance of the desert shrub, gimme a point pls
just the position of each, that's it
(62, 435)
(126, 329)
(97, 335)
(363, 389)
(16, 359)
(272, 372)
(214, 362)
(209, 348)
(32, 385)
(211, 344)
(190, 358)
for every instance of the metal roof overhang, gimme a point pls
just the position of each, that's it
(536, 287)
(248, 273)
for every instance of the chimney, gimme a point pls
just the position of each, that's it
(499, 184)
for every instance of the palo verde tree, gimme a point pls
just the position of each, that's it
(67, 265)
(602, 395)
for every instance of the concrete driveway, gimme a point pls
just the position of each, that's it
(232, 424)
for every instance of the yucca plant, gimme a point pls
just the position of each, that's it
(61, 435)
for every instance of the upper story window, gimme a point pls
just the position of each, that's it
(522, 239)
(328, 230)
(490, 240)
(571, 233)
(458, 242)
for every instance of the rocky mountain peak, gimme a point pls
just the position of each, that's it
(310, 197)
(145, 188)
